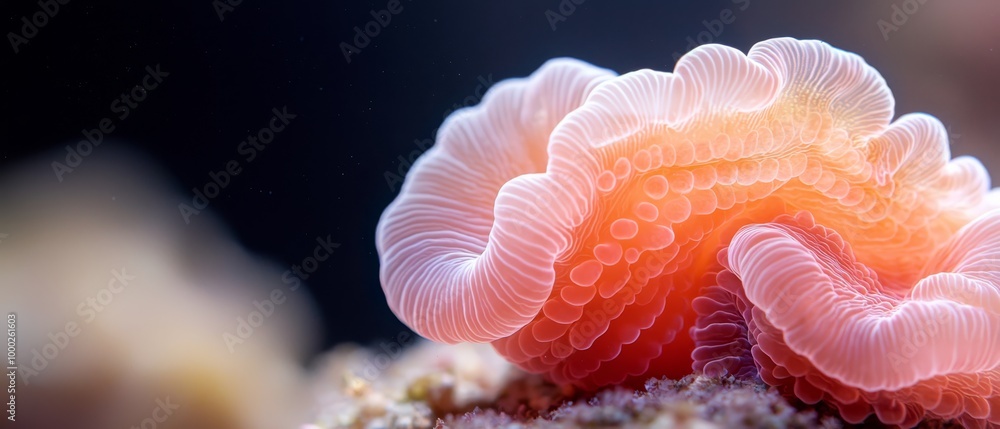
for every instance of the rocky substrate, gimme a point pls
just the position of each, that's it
(469, 386)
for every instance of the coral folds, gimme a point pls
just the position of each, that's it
(749, 215)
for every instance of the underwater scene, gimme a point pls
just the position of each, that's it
(531, 214)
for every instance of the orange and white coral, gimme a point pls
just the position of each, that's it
(744, 214)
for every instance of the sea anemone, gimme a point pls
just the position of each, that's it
(753, 215)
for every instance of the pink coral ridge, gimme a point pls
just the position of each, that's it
(747, 214)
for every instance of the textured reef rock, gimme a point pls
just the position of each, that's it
(754, 215)
(469, 386)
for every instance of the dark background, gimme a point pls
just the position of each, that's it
(325, 174)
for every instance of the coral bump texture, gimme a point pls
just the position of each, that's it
(755, 215)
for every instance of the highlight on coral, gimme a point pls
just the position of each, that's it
(756, 215)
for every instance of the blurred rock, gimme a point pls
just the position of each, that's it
(122, 307)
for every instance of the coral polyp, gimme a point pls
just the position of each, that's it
(750, 215)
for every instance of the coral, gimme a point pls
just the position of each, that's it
(918, 334)
(745, 214)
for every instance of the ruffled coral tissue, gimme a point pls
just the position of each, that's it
(754, 215)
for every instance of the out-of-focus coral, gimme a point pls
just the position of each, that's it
(122, 308)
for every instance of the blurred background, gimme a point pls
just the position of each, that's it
(219, 151)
